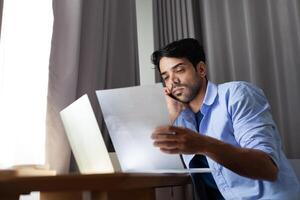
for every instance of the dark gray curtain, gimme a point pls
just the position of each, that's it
(258, 41)
(94, 46)
(174, 20)
(109, 57)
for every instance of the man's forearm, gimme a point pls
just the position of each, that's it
(245, 162)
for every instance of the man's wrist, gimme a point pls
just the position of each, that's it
(207, 143)
(173, 117)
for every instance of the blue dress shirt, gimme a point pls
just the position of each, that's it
(238, 114)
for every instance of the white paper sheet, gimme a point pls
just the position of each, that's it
(131, 115)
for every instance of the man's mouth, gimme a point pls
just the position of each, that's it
(177, 91)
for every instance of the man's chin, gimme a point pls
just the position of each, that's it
(182, 99)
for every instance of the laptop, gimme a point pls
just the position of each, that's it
(90, 152)
(85, 138)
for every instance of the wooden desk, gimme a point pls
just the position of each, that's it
(131, 186)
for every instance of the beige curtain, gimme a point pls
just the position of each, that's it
(94, 47)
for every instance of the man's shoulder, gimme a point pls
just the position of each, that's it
(237, 91)
(236, 86)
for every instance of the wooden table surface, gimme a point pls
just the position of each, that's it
(94, 182)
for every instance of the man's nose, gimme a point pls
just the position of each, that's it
(173, 81)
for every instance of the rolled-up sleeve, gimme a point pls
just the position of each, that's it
(252, 121)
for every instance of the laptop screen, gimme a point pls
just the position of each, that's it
(85, 137)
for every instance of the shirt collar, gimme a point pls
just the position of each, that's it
(210, 96)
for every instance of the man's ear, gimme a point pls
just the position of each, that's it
(201, 69)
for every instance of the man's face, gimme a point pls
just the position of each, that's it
(181, 78)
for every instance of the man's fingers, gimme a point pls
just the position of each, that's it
(167, 91)
(168, 130)
(164, 136)
(167, 133)
(166, 144)
(170, 151)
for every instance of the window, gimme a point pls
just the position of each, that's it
(24, 60)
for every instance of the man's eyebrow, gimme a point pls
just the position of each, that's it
(163, 73)
(175, 66)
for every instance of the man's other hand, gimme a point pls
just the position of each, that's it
(174, 106)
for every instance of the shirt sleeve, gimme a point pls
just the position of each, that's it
(252, 121)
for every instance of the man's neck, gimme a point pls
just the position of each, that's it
(197, 102)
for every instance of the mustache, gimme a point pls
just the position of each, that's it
(174, 86)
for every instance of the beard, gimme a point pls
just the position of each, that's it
(189, 91)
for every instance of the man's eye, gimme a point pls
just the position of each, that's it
(179, 69)
(165, 78)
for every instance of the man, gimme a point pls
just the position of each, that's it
(226, 127)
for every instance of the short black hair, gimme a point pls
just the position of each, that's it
(188, 48)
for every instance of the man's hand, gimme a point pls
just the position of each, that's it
(243, 161)
(174, 106)
(177, 140)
